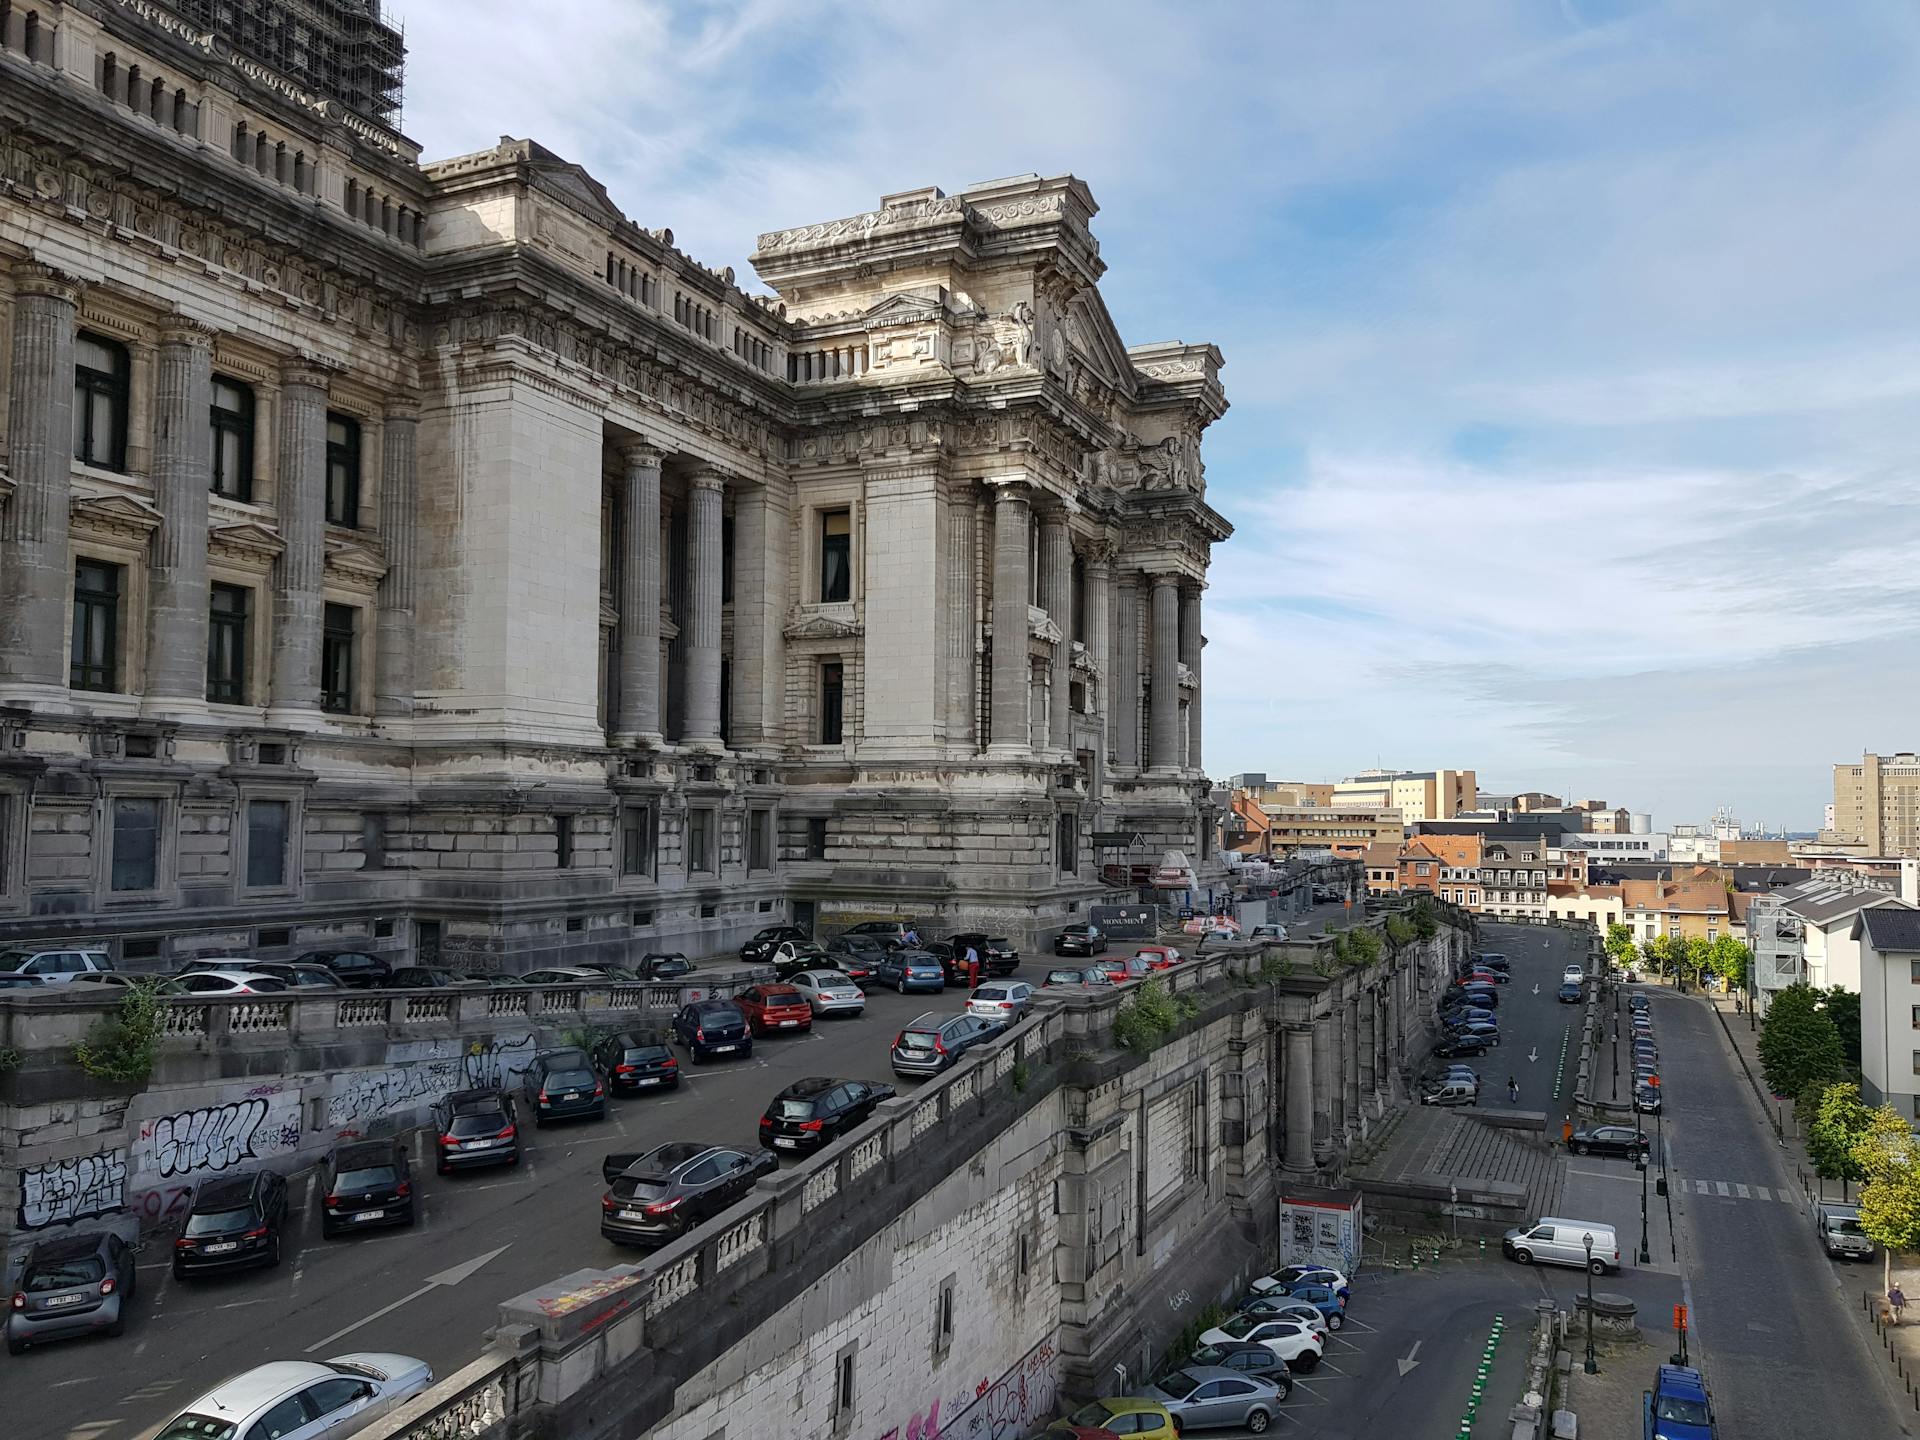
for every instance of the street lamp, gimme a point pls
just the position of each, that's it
(1640, 1164)
(1587, 1240)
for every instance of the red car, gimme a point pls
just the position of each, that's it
(771, 1008)
(1160, 957)
(1121, 969)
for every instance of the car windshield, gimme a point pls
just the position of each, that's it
(1686, 1412)
(488, 1123)
(218, 1222)
(198, 1427)
(1095, 1415)
(569, 1079)
(1179, 1385)
(630, 1188)
(1240, 1326)
(68, 1274)
(672, 967)
(12, 961)
(1847, 1225)
(644, 1052)
(365, 1179)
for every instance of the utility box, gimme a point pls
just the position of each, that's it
(1320, 1227)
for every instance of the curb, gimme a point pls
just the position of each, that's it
(1773, 1121)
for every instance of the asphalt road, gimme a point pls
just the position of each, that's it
(481, 1238)
(1533, 1023)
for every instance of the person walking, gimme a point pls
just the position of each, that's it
(1566, 1132)
(1896, 1302)
(1513, 1091)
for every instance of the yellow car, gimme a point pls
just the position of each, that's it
(1119, 1415)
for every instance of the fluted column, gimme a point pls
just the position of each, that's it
(182, 473)
(300, 498)
(35, 576)
(638, 716)
(394, 679)
(1297, 1041)
(1350, 1062)
(1336, 1028)
(748, 725)
(703, 607)
(1325, 1084)
(1056, 594)
(1124, 693)
(1012, 674)
(960, 618)
(1163, 752)
(1100, 646)
(1190, 647)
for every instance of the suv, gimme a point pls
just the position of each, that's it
(712, 1027)
(814, 1112)
(664, 1193)
(54, 967)
(354, 969)
(475, 1127)
(1079, 940)
(934, 1043)
(1678, 1407)
(366, 1182)
(636, 1060)
(560, 1084)
(671, 965)
(997, 953)
(73, 1285)
(891, 933)
(760, 947)
(235, 1222)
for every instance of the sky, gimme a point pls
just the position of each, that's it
(1572, 348)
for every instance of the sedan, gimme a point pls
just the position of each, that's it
(1006, 1000)
(1639, 1004)
(856, 955)
(71, 1285)
(1294, 1341)
(1569, 994)
(1067, 978)
(1079, 940)
(15, 981)
(1461, 1045)
(335, 1398)
(1200, 1397)
(830, 992)
(772, 1008)
(1620, 1140)
(908, 970)
(659, 1195)
(1292, 1275)
(790, 957)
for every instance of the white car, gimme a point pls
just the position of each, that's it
(1294, 1341)
(302, 1399)
(1308, 1274)
(1001, 1000)
(1574, 975)
(54, 967)
(830, 992)
(216, 983)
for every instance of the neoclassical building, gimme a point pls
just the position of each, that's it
(428, 557)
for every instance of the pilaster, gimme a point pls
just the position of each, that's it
(704, 534)
(1164, 748)
(638, 716)
(394, 679)
(301, 502)
(1012, 522)
(182, 465)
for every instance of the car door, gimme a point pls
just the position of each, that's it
(341, 1402)
(288, 1419)
(706, 1195)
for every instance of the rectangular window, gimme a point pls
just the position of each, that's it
(336, 659)
(836, 555)
(699, 842)
(760, 840)
(843, 1387)
(832, 700)
(1916, 1062)
(228, 621)
(816, 837)
(1066, 836)
(726, 559)
(636, 841)
(343, 471)
(563, 841)
(267, 827)
(232, 417)
(136, 843)
(1916, 1017)
(100, 370)
(94, 663)
(943, 1318)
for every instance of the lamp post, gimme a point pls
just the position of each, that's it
(1591, 1367)
(1640, 1163)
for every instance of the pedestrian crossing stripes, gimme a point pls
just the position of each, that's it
(1732, 1190)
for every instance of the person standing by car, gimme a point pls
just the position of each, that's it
(973, 966)
(912, 937)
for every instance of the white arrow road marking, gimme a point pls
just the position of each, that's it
(1533, 1054)
(446, 1277)
(1536, 987)
(1409, 1362)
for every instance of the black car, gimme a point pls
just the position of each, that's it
(1483, 995)
(668, 965)
(71, 1285)
(890, 933)
(562, 1085)
(355, 969)
(1079, 940)
(637, 1060)
(1459, 1045)
(817, 1111)
(713, 1027)
(756, 950)
(474, 1128)
(654, 1197)
(855, 956)
(1621, 1140)
(615, 974)
(431, 977)
(1646, 1099)
(364, 1183)
(235, 1222)
(1639, 1003)
(794, 956)
(1569, 994)
(998, 955)
(1249, 1357)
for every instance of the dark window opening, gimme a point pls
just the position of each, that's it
(726, 559)
(1067, 841)
(100, 370)
(760, 840)
(816, 837)
(267, 831)
(707, 912)
(575, 923)
(836, 555)
(148, 949)
(832, 702)
(343, 471)
(636, 842)
(563, 841)
(136, 843)
(228, 622)
(232, 418)
(337, 659)
(700, 842)
(270, 939)
(95, 655)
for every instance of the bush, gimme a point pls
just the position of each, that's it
(1799, 1043)
(1426, 924)
(1144, 1023)
(1274, 967)
(1020, 1076)
(1400, 930)
(121, 1047)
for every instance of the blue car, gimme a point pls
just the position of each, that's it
(1678, 1407)
(1326, 1301)
(907, 970)
(1569, 994)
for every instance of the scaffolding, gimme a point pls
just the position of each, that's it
(340, 49)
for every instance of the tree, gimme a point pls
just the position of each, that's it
(1620, 945)
(1840, 1121)
(1731, 959)
(1889, 1157)
(1799, 1045)
(1696, 956)
(1844, 1007)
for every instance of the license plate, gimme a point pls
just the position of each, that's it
(571, 1095)
(789, 1022)
(369, 1215)
(723, 1049)
(648, 1080)
(58, 1300)
(223, 1247)
(632, 1215)
(785, 1144)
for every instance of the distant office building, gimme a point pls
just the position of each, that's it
(1604, 848)
(1876, 804)
(1416, 794)
(1346, 833)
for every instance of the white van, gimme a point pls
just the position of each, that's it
(1555, 1240)
(1840, 1232)
(1453, 1090)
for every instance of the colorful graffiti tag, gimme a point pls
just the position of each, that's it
(1002, 1409)
(73, 1189)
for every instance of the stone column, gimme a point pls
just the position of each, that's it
(1350, 1063)
(703, 607)
(1100, 644)
(1124, 694)
(36, 577)
(638, 715)
(182, 471)
(1163, 743)
(393, 674)
(1012, 675)
(1369, 1049)
(1056, 595)
(959, 621)
(1190, 645)
(301, 499)
(1299, 1043)
(747, 726)
(1326, 1082)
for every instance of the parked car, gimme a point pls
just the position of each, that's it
(365, 1183)
(858, 955)
(664, 965)
(1270, 933)
(25, 982)
(303, 1399)
(71, 1285)
(1840, 1233)
(1642, 1022)
(1282, 1307)
(1119, 1415)
(1621, 1140)
(636, 1060)
(998, 955)
(1121, 969)
(1492, 957)
(1464, 1025)
(1573, 975)
(653, 1197)
(496, 980)
(1678, 1407)
(1487, 977)
(1201, 1397)
(1452, 1091)
(1640, 1004)
(712, 1027)
(1007, 1000)
(772, 1008)
(891, 933)
(790, 957)
(563, 1085)
(817, 1111)
(1284, 1279)
(1646, 1099)
(830, 992)
(908, 970)
(1079, 940)
(355, 969)
(1462, 1045)
(1484, 996)
(234, 1222)
(1555, 1241)
(1249, 1359)
(216, 983)
(1646, 1073)
(432, 977)
(1324, 1298)
(1072, 978)
(565, 975)
(1569, 994)
(1295, 1341)
(1160, 957)
(91, 980)
(613, 974)
(1456, 1071)
(474, 1128)
(54, 967)
(933, 1043)
(757, 950)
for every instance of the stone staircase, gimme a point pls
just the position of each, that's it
(1435, 1147)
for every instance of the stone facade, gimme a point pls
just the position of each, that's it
(427, 557)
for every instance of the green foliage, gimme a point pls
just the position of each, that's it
(1695, 954)
(1326, 967)
(121, 1047)
(1020, 1076)
(1660, 956)
(1357, 948)
(1844, 1007)
(10, 1059)
(1729, 959)
(580, 1037)
(1275, 966)
(1426, 923)
(1620, 944)
(1799, 1045)
(1889, 1157)
(1188, 1340)
(1400, 931)
(1840, 1120)
(1145, 1023)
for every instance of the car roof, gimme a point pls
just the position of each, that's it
(717, 1002)
(1678, 1378)
(225, 1192)
(66, 1247)
(563, 1055)
(812, 1085)
(248, 1391)
(675, 1155)
(358, 1154)
(637, 1037)
(1133, 1404)
(470, 1101)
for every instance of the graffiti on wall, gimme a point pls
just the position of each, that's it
(1003, 1409)
(421, 1073)
(188, 1143)
(73, 1189)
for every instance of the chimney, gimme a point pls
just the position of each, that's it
(1910, 882)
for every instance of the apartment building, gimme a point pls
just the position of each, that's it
(1876, 804)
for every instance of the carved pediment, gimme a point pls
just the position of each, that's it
(123, 515)
(355, 561)
(821, 627)
(1083, 662)
(1188, 680)
(245, 540)
(906, 310)
(1041, 626)
(1091, 334)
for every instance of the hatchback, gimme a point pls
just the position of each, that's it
(301, 1399)
(1569, 994)
(664, 965)
(365, 1183)
(830, 992)
(74, 1285)
(934, 1043)
(636, 1060)
(1462, 1045)
(654, 1197)
(1249, 1359)
(235, 1222)
(1006, 1000)
(1120, 1415)
(1068, 978)
(1573, 974)
(354, 969)
(1323, 1298)
(908, 970)
(615, 974)
(772, 1008)
(563, 1084)
(1639, 1003)
(760, 948)
(1129, 967)
(475, 1128)
(1646, 1099)
(1290, 1275)
(1283, 1307)
(712, 1027)
(817, 1111)
(1201, 1397)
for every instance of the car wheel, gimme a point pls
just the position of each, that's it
(901, 985)
(1307, 1360)
(119, 1326)
(1525, 1257)
(1334, 1322)
(273, 1252)
(15, 1347)
(1286, 1386)
(1598, 1267)
(1257, 1421)
(179, 1271)
(539, 1122)
(1178, 1427)
(1582, 1150)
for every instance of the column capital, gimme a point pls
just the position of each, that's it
(403, 405)
(181, 330)
(708, 477)
(306, 370)
(638, 454)
(1005, 492)
(1163, 577)
(33, 278)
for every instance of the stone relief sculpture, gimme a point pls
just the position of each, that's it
(1022, 317)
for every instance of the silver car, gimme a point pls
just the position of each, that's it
(1202, 1396)
(1001, 1000)
(830, 992)
(302, 1399)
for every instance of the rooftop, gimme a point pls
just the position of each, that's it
(1890, 927)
